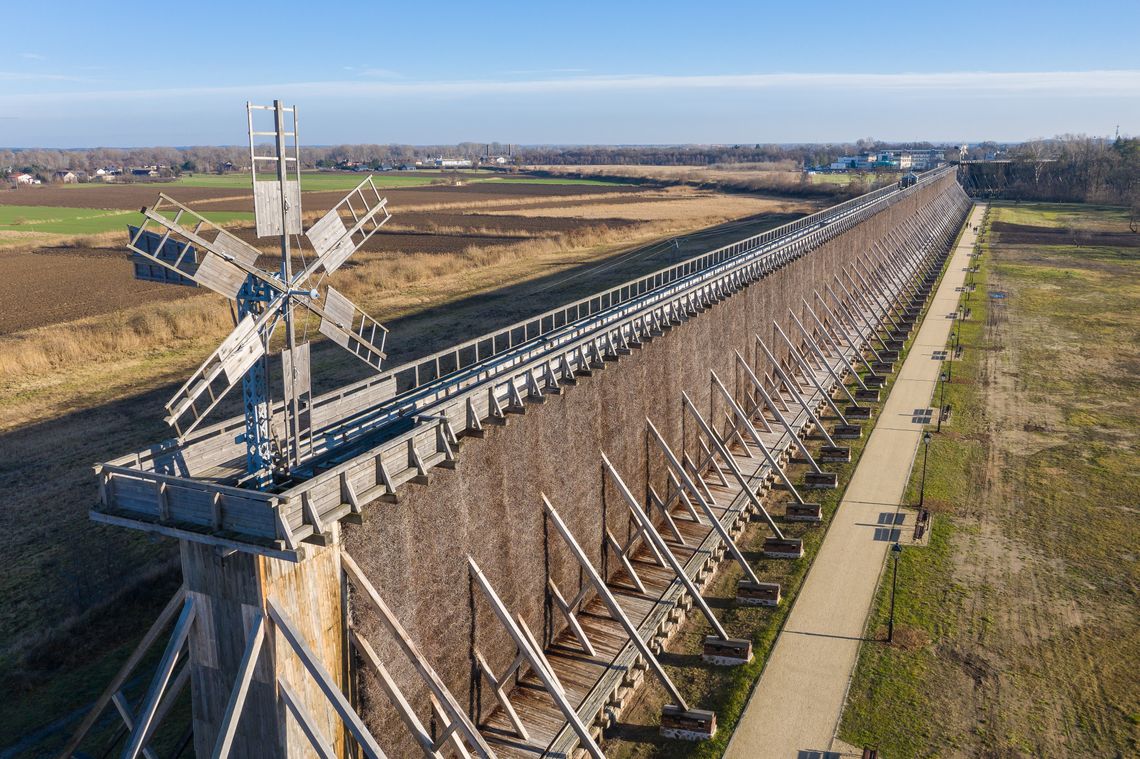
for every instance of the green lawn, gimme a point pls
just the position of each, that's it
(82, 221)
(1018, 625)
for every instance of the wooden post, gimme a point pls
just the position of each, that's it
(232, 594)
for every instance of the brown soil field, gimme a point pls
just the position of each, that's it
(1010, 233)
(115, 196)
(46, 287)
(236, 199)
(60, 283)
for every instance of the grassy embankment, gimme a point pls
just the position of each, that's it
(725, 690)
(1018, 623)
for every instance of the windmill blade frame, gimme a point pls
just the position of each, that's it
(347, 325)
(334, 240)
(230, 361)
(226, 259)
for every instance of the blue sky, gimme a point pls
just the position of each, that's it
(81, 74)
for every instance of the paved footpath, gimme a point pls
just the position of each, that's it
(794, 711)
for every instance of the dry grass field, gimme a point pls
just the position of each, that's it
(90, 355)
(783, 177)
(1019, 625)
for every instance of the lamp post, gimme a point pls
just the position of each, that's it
(942, 400)
(926, 437)
(896, 551)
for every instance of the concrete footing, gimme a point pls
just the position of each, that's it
(870, 395)
(786, 548)
(691, 725)
(803, 512)
(882, 367)
(821, 480)
(874, 380)
(727, 652)
(834, 454)
(847, 432)
(757, 593)
(858, 412)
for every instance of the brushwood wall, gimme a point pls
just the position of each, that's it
(489, 507)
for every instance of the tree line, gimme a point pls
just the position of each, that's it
(1070, 168)
(217, 159)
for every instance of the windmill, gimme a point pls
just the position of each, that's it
(176, 245)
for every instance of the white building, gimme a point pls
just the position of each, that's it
(452, 163)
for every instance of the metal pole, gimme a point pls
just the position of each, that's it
(896, 550)
(941, 401)
(922, 483)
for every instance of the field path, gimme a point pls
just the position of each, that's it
(794, 710)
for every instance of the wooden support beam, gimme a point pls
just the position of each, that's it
(296, 707)
(395, 696)
(612, 604)
(146, 717)
(655, 536)
(229, 723)
(793, 388)
(740, 478)
(759, 387)
(822, 359)
(427, 673)
(172, 607)
(326, 683)
(539, 665)
(730, 544)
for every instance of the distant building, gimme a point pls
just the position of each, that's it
(145, 171)
(452, 163)
(66, 177)
(889, 160)
(21, 178)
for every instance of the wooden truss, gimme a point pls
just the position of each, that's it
(528, 652)
(458, 731)
(164, 687)
(611, 604)
(654, 537)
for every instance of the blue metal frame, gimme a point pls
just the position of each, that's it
(251, 299)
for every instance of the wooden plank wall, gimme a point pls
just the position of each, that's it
(413, 551)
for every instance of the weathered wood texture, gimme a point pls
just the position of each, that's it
(489, 506)
(229, 592)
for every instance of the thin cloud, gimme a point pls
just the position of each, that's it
(1116, 83)
(24, 76)
(33, 57)
(371, 72)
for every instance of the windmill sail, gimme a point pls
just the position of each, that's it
(221, 371)
(352, 329)
(340, 232)
(192, 249)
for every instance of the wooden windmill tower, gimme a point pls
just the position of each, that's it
(176, 245)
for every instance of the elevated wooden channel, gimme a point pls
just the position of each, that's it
(248, 555)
